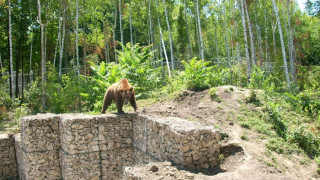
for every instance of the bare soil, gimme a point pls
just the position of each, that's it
(241, 158)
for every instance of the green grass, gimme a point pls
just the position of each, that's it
(213, 95)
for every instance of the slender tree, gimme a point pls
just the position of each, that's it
(243, 19)
(43, 60)
(253, 47)
(187, 27)
(57, 43)
(162, 42)
(150, 24)
(63, 38)
(282, 43)
(31, 44)
(77, 37)
(1, 66)
(170, 35)
(10, 51)
(200, 32)
(291, 45)
(131, 37)
(114, 33)
(120, 21)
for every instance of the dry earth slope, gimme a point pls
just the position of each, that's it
(244, 154)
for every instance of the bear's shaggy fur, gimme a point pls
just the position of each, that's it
(121, 92)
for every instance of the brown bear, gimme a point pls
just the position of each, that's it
(121, 92)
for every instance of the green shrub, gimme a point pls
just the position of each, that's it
(275, 119)
(136, 65)
(253, 99)
(307, 140)
(280, 146)
(196, 74)
(213, 95)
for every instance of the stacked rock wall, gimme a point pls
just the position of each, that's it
(8, 164)
(184, 143)
(78, 146)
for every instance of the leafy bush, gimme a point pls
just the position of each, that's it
(306, 101)
(5, 100)
(136, 65)
(62, 95)
(196, 74)
(280, 146)
(275, 119)
(253, 99)
(307, 140)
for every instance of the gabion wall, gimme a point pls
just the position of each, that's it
(8, 164)
(78, 146)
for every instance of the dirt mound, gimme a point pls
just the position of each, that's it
(242, 157)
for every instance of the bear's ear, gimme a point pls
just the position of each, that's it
(131, 89)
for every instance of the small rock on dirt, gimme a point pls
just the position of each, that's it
(154, 168)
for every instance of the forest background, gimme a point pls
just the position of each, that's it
(61, 55)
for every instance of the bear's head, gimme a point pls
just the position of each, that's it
(126, 94)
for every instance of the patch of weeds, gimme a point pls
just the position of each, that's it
(220, 106)
(231, 89)
(245, 124)
(240, 118)
(227, 91)
(306, 139)
(280, 146)
(274, 117)
(221, 158)
(217, 126)
(253, 99)
(244, 136)
(193, 119)
(270, 164)
(304, 161)
(317, 160)
(213, 95)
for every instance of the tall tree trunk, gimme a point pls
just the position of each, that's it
(150, 25)
(274, 28)
(200, 34)
(266, 34)
(63, 38)
(187, 28)
(1, 67)
(43, 61)
(114, 33)
(131, 37)
(170, 35)
(31, 43)
(162, 42)
(120, 21)
(227, 41)
(253, 48)
(77, 38)
(105, 40)
(57, 44)
(216, 41)
(196, 31)
(282, 43)
(291, 46)
(10, 51)
(243, 19)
